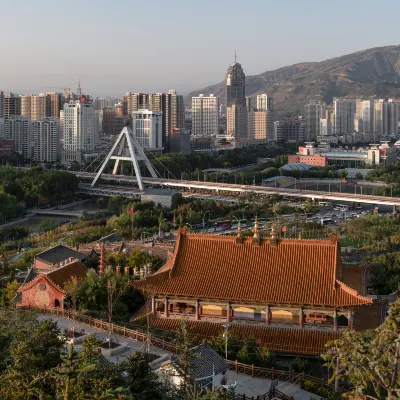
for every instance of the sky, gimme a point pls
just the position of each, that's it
(157, 45)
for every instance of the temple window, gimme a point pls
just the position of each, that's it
(284, 316)
(343, 321)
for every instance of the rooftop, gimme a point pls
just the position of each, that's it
(300, 272)
(58, 254)
(59, 276)
(281, 340)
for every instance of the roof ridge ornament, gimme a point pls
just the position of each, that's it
(256, 233)
(239, 237)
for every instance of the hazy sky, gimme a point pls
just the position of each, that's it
(148, 46)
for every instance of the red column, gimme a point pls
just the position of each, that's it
(228, 312)
(301, 319)
(166, 308)
(197, 310)
(267, 312)
(335, 321)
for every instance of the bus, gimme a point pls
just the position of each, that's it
(341, 207)
(325, 203)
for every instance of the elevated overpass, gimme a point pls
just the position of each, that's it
(221, 189)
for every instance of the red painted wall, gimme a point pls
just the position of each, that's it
(35, 297)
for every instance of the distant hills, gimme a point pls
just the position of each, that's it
(367, 73)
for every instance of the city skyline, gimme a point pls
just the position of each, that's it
(110, 60)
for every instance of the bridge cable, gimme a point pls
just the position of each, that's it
(164, 167)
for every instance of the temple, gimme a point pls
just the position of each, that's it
(288, 294)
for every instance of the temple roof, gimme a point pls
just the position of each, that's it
(59, 276)
(300, 272)
(58, 254)
(281, 340)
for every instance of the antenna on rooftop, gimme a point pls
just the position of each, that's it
(235, 56)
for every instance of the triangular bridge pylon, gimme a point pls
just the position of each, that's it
(127, 148)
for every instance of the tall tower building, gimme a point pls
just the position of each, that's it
(235, 85)
(236, 125)
(313, 114)
(26, 105)
(147, 128)
(133, 102)
(365, 114)
(19, 129)
(80, 130)
(393, 117)
(12, 105)
(1, 104)
(33, 107)
(172, 107)
(55, 104)
(265, 102)
(205, 115)
(46, 140)
(248, 103)
(344, 112)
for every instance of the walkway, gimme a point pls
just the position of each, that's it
(246, 384)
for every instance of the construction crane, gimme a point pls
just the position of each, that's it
(65, 89)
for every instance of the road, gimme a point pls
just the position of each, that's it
(230, 189)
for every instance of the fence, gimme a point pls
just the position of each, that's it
(253, 371)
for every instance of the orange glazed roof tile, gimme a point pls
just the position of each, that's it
(301, 272)
(59, 276)
(281, 340)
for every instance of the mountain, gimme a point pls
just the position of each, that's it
(367, 73)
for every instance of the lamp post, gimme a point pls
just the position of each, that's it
(143, 236)
(159, 227)
(226, 326)
(191, 227)
(204, 215)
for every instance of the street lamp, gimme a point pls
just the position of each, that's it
(237, 219)
(243, 211)
(191, 227)
(143, 236)
(226, 326)
(159, 227)
(204, 215)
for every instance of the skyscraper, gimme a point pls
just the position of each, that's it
(147, 128)
(80, 130)
(248, 103)
(1, 104)
(46, 140)
(19, 129)
(235, 85)
(12, 105)
(172, 107)
(313, 114)
(236, 125)
(205, 115)
(344, 112)
(265, 102)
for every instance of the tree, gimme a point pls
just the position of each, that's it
(10, 292)
(72, 287)
(370, 360)
(116, 286)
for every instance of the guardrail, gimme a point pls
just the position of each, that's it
(238, 367)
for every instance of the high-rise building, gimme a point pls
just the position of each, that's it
(1, 104)
(393, 118)
(236, 125)
(265, 102)
(34, 107)
(46, 140)
(172, 107)
(365, 115)
(235, 85)
(290, 130)
(2, 128)
(147, 128)
(248, 103)
(19, 129)
(344, 111)
(259, 127)
(325, 127)
(108, 116)
(12, 105)
(222, 110)
(133, 102)
(55, 103)
(205, 115)
(313, 114)
(80, 130)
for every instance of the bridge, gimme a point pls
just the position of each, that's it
(127, 148)
(58, 213)
(220, 189)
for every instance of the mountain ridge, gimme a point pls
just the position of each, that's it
(373, 72)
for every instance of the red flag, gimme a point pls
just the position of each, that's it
(284, 228)
(131, 212)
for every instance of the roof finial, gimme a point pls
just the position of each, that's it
(239, 231)
(300, 237)
(255, 229)
(235, 56)
(273, 235)
(79, 88)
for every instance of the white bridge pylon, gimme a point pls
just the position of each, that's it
(129, 149)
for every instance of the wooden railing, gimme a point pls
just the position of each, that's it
(252, 370)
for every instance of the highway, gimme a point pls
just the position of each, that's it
(224, 189)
